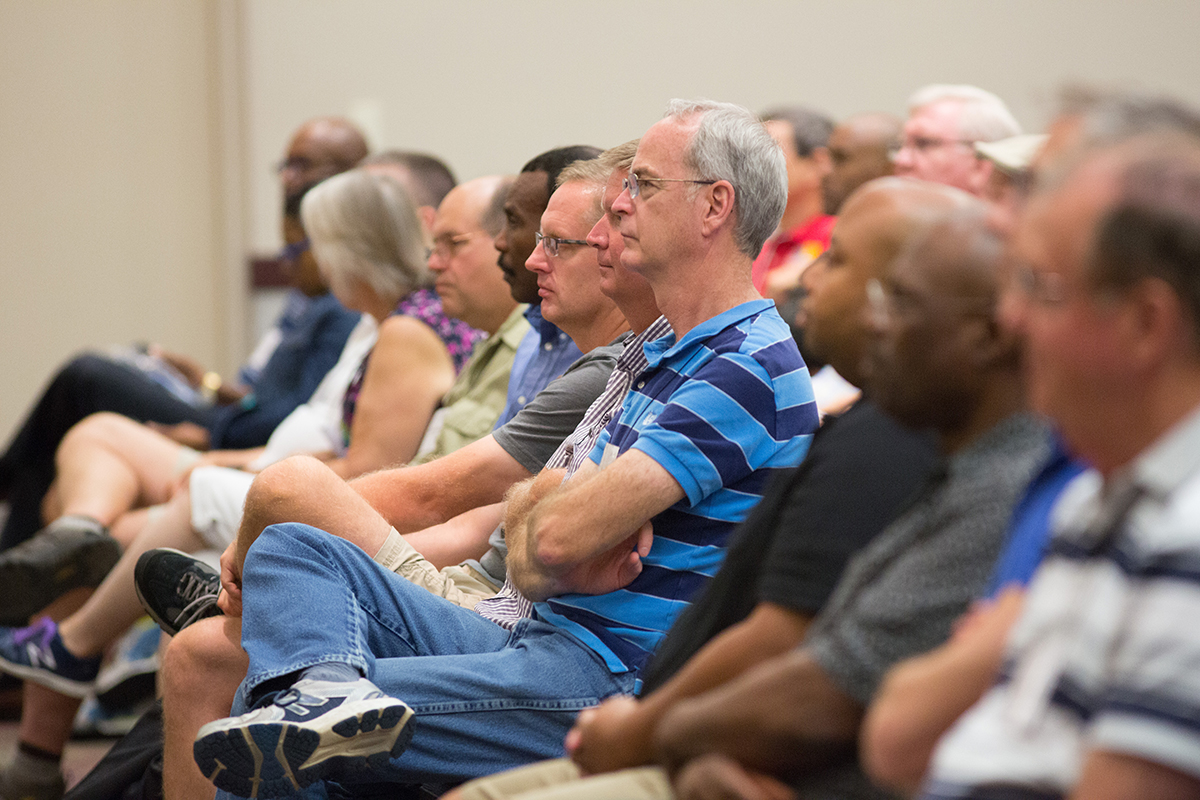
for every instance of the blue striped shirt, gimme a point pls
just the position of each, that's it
(721, 410)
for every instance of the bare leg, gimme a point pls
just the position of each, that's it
(302, 489)
(108, 464)
(46, 717)
(114, 606)
(201, 672)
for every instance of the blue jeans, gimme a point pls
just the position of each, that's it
(485, 699)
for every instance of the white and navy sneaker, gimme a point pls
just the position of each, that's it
(316, 730)
(37, 654)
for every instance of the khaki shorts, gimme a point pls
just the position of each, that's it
(560, 779)
(461, 585)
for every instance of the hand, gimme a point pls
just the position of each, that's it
(230, 598)
(611, 570)
(716, 777)
(188, 434)
(613, 735)
(188, 367)
(988, 621)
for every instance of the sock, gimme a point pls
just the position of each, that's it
(35, 764)
(78, 521)
(332, 671)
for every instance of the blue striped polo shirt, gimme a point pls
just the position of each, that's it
(722, 410)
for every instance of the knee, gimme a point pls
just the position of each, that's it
(280, 490)
(204, 661)
(100, 428)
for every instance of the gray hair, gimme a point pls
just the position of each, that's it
(731, 144)
(1152, 229)
(364, 226)
(984, 118)
(619, 157)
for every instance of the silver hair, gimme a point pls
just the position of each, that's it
(731, 144)
(363, 226)
(984, 118)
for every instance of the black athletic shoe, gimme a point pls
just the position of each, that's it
(176, 589)
(68, 553)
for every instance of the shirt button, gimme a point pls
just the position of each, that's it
(548, 345)
(641, 384)
(521, 399)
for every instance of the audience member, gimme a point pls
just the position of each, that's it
(858, 152)
(938, 360)
(790, 551)
(944, 123)
(674, 236)
(426, 177)
(803, 232)
(244, 413)
(546, 351)
(367, 239)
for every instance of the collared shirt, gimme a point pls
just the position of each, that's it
(543, 355)
(722, 410)
(807, 240)
(470, 409)
(509, 606)
(1104, 655)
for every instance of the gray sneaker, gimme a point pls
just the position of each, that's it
(68, 553)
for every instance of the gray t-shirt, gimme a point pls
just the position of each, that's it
(900, 595)
(534, 434)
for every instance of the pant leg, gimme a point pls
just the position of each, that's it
(87, 384)
(485, 699)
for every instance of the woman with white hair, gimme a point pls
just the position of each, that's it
(367, 242)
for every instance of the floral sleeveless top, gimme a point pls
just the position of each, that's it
(424, 305)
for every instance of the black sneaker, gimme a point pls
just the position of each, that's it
(68, 553)
(176, 589)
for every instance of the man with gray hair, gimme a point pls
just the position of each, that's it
(944, 123)
(610, 558)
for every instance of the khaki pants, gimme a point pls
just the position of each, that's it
(461, 585)
(560, 779)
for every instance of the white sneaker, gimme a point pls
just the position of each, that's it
(312, 731)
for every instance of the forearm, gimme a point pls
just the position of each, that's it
(459, 539)
(784, 717)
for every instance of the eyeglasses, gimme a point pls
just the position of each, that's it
(634, 184)
(1044, 288)
(923, 144)
(446, 245)
(291, 252)
(552, 243)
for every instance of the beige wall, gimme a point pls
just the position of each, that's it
(136, 138)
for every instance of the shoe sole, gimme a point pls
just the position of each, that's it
(50, 680)
(28, 587)
(275, 759)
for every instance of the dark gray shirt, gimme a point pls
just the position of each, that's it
(900, 595)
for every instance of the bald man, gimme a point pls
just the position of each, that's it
(858, 152)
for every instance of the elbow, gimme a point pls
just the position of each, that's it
(887, 751)
(551, 548)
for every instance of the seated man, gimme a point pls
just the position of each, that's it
(1097, 692)
(91, 383)
(206, 657)
(488, 698)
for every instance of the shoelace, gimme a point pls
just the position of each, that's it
(43, 629)
(200, 594)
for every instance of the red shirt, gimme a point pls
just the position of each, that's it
(807, 240)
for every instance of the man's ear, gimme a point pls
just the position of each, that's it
(995, 345)
(822, 161)
(719, 207)
(1155, 321)
(426, 214)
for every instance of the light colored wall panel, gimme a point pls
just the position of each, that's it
(106, 184)
(487, 85)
